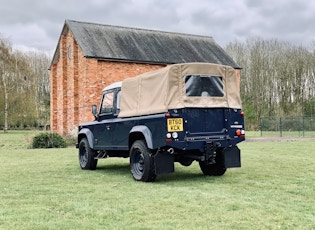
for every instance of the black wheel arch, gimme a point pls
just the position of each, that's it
(86, 133)
(140, 132)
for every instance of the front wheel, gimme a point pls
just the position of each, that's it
(141, 162)
(216, 169)
(86, 155)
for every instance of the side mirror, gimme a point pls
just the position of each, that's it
(94, 110)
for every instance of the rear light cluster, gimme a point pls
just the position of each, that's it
(240, 133)
(167, 115)
(174, 135)
(169, 136)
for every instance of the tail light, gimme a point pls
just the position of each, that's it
(240, 133)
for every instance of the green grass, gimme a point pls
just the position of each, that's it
(46, 189)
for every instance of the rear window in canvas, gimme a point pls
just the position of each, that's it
(204, 86)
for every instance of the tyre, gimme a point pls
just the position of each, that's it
(141, 162)
(216, 169)
(86, 155)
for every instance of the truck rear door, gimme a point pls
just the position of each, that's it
(205, 123)
(214, 123)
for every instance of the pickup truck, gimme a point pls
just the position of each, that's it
(181, 113)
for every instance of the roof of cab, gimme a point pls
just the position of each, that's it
(113, 86)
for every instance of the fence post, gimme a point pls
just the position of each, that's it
(299, 125)
(280, 126)
(303, 126)
(260, 126)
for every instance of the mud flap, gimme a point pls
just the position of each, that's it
(232, 157)
(163, 163)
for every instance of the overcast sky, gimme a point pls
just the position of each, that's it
(38, 23)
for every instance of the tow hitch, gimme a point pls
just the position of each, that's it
(210, 153)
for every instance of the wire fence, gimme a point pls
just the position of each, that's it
(302, 126)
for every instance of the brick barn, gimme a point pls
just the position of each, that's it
(91, 56)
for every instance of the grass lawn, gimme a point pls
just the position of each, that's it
(46, 189)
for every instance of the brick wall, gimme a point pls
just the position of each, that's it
(76, 83)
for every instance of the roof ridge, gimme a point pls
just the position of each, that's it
(142, 29)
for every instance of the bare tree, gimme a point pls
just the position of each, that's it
(6, 69)
(277, 78)
(39, 63)
(24, 87)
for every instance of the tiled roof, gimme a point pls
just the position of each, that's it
(144, 46)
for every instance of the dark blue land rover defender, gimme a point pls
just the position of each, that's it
(181, 113)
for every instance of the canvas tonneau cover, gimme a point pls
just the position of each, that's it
(188, 85)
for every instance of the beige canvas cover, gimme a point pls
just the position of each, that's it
(163, 89)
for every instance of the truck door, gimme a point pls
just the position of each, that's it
(120, 127)
(103, 131)
(205, 122)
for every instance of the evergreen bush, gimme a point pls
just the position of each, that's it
(49, 140)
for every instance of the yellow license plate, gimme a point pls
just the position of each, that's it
(175, 124)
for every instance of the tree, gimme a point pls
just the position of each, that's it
(39, 63)
(6, 69)
(277, 78)
(24, 87)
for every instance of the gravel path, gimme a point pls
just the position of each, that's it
(273, 139)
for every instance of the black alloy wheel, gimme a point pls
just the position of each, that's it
(141, 162)
(86, 155)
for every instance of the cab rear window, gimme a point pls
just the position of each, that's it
(204, 86)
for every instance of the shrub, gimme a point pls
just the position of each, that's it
(70, 140)
(71, 137)
(48, 140)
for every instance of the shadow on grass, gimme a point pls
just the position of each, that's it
(114, 168)
(181, 174)
(180, 177)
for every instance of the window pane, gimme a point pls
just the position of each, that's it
(108, 101)
(205, 86)
(118, 100)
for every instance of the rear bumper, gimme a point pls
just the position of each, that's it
(199, 142)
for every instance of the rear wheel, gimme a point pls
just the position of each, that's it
(141, 162)
(216, 169)
(86, 155)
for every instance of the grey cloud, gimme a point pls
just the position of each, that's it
(38, 23)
